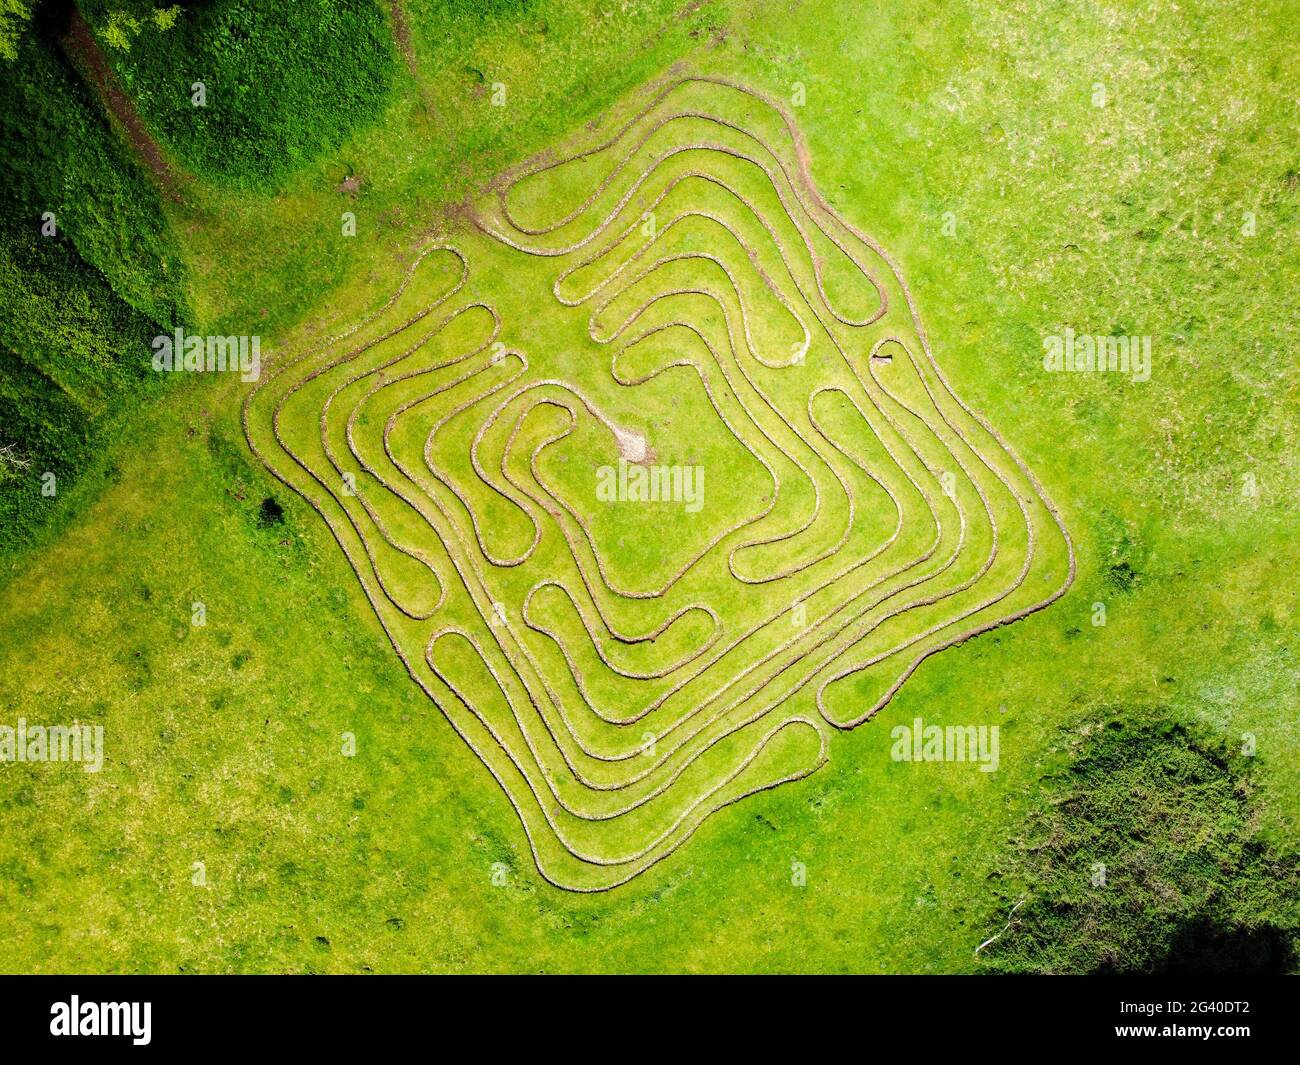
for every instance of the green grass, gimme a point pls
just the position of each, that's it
(1121, 218)
(774, 528)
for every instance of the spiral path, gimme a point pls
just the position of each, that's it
(671, 299)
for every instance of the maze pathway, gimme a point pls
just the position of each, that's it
(667, 309)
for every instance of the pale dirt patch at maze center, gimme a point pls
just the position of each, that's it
(624, 669)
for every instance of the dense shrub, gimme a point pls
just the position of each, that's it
(72, 355)
(79, 306)
(282, 83)
(1143, 855)
(62, 156)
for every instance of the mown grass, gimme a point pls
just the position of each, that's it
(1124, 217)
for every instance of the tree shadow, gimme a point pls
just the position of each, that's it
(1203, 947)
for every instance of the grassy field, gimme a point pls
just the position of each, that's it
(1038, 167)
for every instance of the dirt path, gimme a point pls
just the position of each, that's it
(402, 35)
(86, 54)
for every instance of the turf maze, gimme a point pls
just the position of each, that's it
(671, 293)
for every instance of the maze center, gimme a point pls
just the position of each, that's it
(653, 481)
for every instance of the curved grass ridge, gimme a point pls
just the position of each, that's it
(619, 706)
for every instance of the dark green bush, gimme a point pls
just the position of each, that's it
(78, 307)
(72, 356)
(1170, 811)
(62, 156)
(282, 82)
